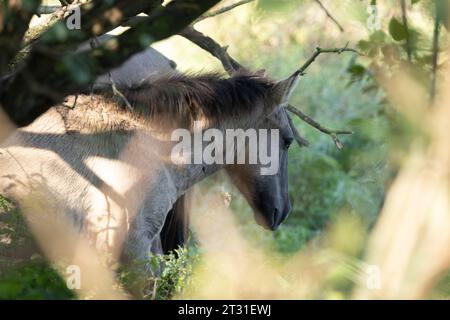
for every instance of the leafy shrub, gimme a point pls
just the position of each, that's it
(160, 276)
(34, 280)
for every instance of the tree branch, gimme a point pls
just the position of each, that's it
(302, 142)
(332, 133)
(48, 68)
(330, 16)
(222, 10)
(35, 32)
(208, 44)
(231, 66)
(16, 18)
(98, 17)
(319, 51)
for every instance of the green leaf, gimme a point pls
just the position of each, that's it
(378, 37)
(357, 71)
(397, 30)
(363, 45)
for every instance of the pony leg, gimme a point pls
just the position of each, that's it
(175, 231)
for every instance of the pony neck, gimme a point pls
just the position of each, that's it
(186, 175)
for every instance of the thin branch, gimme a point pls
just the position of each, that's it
(230, 65)
(97, 17)
(208, 44)
(330, 16)
(204, 42)
(57, 14)
(222, 10)
(132, 21)
(118, 93)
(319, 51)
(302, 142)
(114, 88)
(332, 133)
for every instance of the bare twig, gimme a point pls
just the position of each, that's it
(231, 66)
(222, 10)
(95, 43)
(118, 93)
(208, 44)
(319, 51)
(302, 142)
(330, 15)
(332, 133)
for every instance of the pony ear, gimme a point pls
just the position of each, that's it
(282, 90)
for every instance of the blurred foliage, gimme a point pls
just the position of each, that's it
(29, 276)
(159, 277)
(5, 205)
(396, 43)
(278, 6)
(34, 280)
(14, 228)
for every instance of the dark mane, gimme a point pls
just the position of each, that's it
(193, 97)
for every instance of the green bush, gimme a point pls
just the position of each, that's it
(34, 280)
(160, 276)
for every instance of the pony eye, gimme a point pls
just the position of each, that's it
(288, 142)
